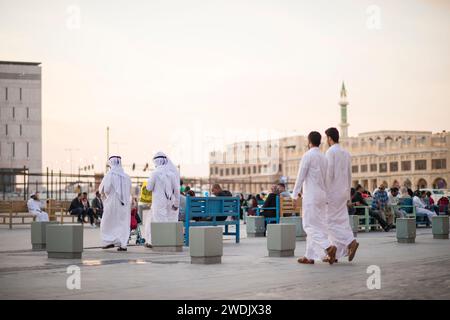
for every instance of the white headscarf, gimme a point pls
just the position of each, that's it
(118, 177)
(166, 166)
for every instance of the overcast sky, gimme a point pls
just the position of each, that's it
(187, 76)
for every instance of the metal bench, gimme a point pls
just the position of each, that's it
(208, 209)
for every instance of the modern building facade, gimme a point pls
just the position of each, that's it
(20, 121)
(418, 159)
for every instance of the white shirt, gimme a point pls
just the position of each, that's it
(311, 176)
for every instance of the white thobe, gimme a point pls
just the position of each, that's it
(420, 208)
(311, 179)
(116, 218)
(339, 181)
(165, 194)
(34, 208)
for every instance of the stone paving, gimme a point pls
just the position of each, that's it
(408, 271)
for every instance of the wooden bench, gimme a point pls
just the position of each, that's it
(15, 210)
(208, 209)
(288, 207)
(58, 210)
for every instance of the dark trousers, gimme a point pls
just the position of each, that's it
(81, 213)
(376, 214)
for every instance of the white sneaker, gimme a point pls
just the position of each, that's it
(93, 226)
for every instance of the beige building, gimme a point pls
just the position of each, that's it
(418, 159)
(20, 121)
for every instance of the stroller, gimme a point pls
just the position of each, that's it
(135, 227)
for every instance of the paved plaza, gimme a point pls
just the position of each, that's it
(408, 271)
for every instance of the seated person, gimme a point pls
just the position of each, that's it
(270, 202)
(88, 210)
(34, 208)
(97, 205)
(282, 191)
(379, 208)
(429, 203)
(76, 208)
(393, 203)
(218, 192)
(443, 205)
(418, 201)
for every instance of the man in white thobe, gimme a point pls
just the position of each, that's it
(311, 182)
(339, 181)
(164, 182)
(34, 207)
(116, 218)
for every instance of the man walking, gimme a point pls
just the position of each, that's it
(311, 183)
(338, 182)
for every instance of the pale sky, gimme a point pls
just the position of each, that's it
(187, 76)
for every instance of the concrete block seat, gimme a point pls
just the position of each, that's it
(64, 241)
(206, 245)
(167, 236)
(281, 240)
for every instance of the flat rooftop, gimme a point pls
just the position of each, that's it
(21, 63)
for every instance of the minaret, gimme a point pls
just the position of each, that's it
(343, 103)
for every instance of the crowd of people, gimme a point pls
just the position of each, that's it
(386, 205)
(323, 182)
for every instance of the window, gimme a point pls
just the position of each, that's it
(227, 172)
(6, 129)
(364, 168)
(238, 171)
(259, 169)
(354, 169)
(232, 171)
(216, 170)
(254, 169)
(243, 170)
(373, 167)
(28, 113)
(421, 164)
(28, 149)
(437, 164)
(6, 94)
(13, 149)
(406, 165)
(20, 129)
(393, 166)
(221, 172)
(14, 112)
(383, 167)
(211, 170)
(20, 94)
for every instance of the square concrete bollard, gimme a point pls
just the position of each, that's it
(440, 226)
(406, 230)
(167, 236)
(299, 232)
(205, 245)
(255, 226)
(65, 241)
(38, 234)
(281, 240)
(354, 224)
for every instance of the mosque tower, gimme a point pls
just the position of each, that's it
(343, 103)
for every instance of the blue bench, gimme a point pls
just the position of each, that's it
(210, 208)
(275, 219)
